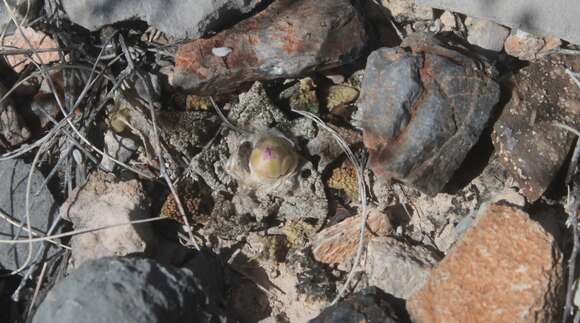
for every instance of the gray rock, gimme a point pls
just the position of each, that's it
(119, 147)
(558, 17)
(424, 106)
(20, 9)
(103, 200)
(14, 176)
(398, 268)
(177, 18)
(369, 305)
(486, 34)
(115, 289)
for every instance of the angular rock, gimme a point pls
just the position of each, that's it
(408, 10)
(14, 176)
(423, 110)
(398, 268)
(448, 21)
(486, 34)
(558, 17)
(530, 145)
(369, 305)
(288, 39)
(12, 128)
(177, 18)
(119, 147)
(528, 47)
(116, 289)
(103, 200)
(506, 268)
(39, 40)
(338, 243)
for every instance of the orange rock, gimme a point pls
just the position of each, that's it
(337, 244)
(506, 268)
(38, 40)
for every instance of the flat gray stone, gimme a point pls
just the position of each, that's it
(178, 18)
(486, 34)
(118, 289)
(546, 18)
(398, 268)
(14, 176)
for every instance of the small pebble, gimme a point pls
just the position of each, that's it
(221, 51)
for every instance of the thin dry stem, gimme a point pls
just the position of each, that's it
(362, 192)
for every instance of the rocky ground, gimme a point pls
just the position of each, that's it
(289, 161)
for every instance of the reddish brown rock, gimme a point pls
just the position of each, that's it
(288, 39)
(529, 144)
(506, 268)
(38, 40)
(337, 244)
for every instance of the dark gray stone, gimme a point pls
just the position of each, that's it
(177, 18)
(546, 18)
(528, 142)
(423, 107)
(14, 176)
(369, 305)
(118, 289)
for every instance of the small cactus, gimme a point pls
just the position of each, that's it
(119, 120)
(272, 158)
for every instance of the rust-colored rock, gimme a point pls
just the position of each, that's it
(38, 40)
(288, 39)
(424, 106)
(530, 145)
(506, 268)
(337, 244)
